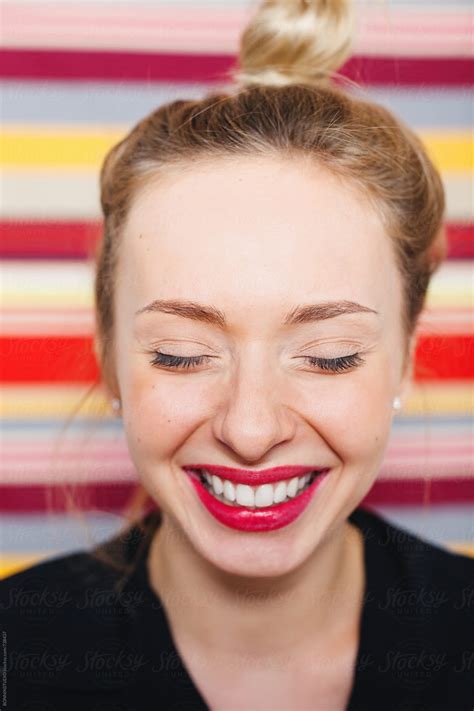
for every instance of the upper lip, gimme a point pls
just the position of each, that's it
(263, 476)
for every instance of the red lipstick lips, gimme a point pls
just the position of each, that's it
(250, 519)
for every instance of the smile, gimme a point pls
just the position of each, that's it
(255, 496)
(265, 507)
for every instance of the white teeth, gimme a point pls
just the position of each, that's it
(255, 496)
(229, 490)
(264, 495)
(280, 492)
(217, 484)
(244, 495)
(292, 487)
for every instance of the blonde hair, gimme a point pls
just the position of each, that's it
(283, 102)
(296, 41)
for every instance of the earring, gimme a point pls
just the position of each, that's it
(115, 404)
(397, 403)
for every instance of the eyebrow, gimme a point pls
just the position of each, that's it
(304, 313)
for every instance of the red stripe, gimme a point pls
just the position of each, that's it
(460, 241)
(417, 492)
(446, 357)
(103, 65)
(114, 497)
(35, 239)
(87, 497)
(50, 359)
(70, 359)
(49, 240)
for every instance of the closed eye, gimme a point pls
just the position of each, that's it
(171, 361)
(334, 365)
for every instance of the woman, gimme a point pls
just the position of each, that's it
(265, 259)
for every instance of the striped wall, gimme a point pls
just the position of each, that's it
(75, 76)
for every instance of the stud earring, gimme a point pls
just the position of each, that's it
(115, 404)
(397, 403)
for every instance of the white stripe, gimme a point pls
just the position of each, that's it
(61, 194)
(49, 194)
(46, 283)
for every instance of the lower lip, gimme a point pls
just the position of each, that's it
(268, 518)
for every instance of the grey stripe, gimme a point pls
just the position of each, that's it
(403, 427)
(384, 4)
(59, 533)
(115, 103)
(436, 523)
(51, 533)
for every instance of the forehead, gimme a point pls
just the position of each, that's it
(256, 227)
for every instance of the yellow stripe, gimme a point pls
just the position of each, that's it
(14, 563)
(73, 147)
(38, 402)
(450, 150)
(49, 401)
(56, 147)
(462, 547)
(11, 564)
(424, 399)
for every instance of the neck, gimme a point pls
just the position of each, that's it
(315, 605)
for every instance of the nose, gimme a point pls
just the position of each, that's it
(253, 418)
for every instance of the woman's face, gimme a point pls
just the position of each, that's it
(256, 239)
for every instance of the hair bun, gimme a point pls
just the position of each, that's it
(291, 41)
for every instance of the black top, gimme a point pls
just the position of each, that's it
(78, 639)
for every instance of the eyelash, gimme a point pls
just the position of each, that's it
(334, 365)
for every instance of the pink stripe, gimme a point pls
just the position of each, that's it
(214, 28)
(394, 457)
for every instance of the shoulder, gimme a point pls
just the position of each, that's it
(418, 585)
(408, 570)
(418, 616)
(46, 596)
(70, 571)
(406, 552)
(69, 582)
(420, 603)
(60, 617)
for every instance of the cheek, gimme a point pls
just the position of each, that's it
(355, 416)
(161, 414)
